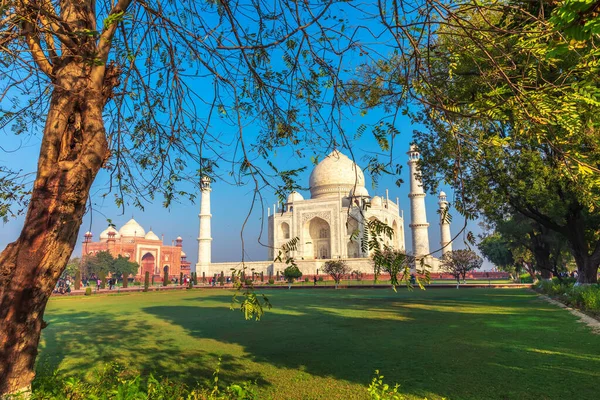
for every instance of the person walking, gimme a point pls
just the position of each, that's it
(315, 280)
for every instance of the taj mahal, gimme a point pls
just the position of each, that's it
(327, 223)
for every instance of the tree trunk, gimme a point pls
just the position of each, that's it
(72, 152)
(587, 264)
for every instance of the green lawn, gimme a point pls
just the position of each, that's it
(325, 344)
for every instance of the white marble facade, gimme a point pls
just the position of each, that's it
(330, 224)
(327, 224)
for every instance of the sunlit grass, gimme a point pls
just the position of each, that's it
(325, 344)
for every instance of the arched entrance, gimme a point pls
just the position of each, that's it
(148, 264)
(319, 233)
(285, 230)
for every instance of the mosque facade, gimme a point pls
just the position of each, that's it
(146, 249)
(331, 222)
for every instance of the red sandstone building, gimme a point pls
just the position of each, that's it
(146, 249)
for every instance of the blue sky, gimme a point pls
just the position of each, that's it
(230, 204)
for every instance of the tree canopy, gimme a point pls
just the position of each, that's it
(460, 262)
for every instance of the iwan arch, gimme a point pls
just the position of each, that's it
(326, 224)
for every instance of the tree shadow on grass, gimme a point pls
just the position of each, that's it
(437, 350)
(94, 339)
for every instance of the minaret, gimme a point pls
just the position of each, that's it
(418, 217)
(204, 236)
(445, 237)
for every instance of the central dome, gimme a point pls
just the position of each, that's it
(336, 173)
(132, 229)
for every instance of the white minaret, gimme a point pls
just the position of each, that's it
(418, 217)
(445, 237)
(204, 236)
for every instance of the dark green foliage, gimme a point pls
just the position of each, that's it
(262, 277)
(336, 269)
(585, 297)
(101, 262)
(249, 282)
(125, 281)
(181, 278)
(271, 281)
(191, 284)
(78, 280)
(306, 279)
(496, 249)
(122, 267)
(102, 277)
(146, 281)
(195, 274)
(278, 275)
(221, 280)
(203, 277)
(88, 291)
(165, 277)
(292, 273)
(152, 279)
(320, 279)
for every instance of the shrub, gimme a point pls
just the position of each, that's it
(591, 298)
(320, 279)
(78, 280)
(103, 279)
(586, 297)
(146, 281)
(166, 278)
(115, 381)
(248, 282)
(195, 278)
(525, 278)
(271, 281)
(88, 291)
(378, 390)
(306, 279)
(137, 283)
(221, 280)
(292, 273)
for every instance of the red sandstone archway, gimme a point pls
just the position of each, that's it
(148, 263)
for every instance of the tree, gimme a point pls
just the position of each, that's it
(337, 269)
(123, 268)
(497, 250)
(73, 266)
(460, 262)
(499, 87)
(292, 273)
(394, 262)
(100, 262)
(108, 84)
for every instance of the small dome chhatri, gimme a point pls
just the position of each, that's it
(376, 202)
(294, 196)
(132, 229)
(151, 236)
(104, 233)
(335, 173)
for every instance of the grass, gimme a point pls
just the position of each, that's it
(325, 344)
